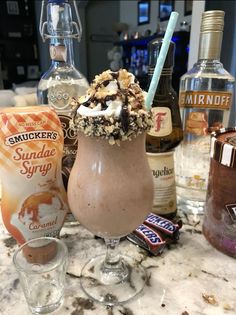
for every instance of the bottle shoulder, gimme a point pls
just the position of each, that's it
(63, 72)
(165, 98)
(208, 69)
(61, 76)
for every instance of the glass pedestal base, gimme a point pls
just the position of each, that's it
(112, 286)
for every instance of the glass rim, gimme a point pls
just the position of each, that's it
(19, 268)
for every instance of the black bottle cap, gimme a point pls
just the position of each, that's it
(154, 48)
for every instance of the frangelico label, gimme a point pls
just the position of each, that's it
(162, 167)
(162, 122)
(205, 99)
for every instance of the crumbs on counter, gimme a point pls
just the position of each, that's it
(210, 299)
(81, 304)
(9, 242)
(227, 307)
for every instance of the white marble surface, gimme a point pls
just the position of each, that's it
(178, 278)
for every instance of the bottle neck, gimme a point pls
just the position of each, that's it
(210, 45)
(165, 82)
(61, 52)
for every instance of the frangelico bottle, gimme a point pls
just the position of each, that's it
(167, 131)
(165, 134)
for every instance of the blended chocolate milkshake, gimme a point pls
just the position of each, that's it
(110, 188)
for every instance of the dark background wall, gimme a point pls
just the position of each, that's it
(228, 55)
(100, 17)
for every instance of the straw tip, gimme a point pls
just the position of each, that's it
(174, 14)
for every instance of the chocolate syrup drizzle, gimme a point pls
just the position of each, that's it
(124, 116)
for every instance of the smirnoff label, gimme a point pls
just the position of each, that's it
(205, 99)
(162, 122)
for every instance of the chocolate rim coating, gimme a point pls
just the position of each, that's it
(111, 128)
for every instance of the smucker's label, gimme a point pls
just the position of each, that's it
(34, 201)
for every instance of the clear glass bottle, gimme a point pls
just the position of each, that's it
(205, 99)
(165, 134)
(62, 84)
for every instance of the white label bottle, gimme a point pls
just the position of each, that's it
(62, 84)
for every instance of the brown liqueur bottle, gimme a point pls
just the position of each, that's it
(167, 130)
(165, 134)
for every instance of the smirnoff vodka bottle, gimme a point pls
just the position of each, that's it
(205, 99)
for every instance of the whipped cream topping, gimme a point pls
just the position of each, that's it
(110, 93)
(113, 109)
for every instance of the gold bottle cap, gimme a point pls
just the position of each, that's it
(212, 21)
(211, 34)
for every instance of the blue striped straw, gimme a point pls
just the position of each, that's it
(161, 59)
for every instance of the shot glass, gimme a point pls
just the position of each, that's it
(41, 264)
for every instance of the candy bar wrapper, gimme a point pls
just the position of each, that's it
(155, 233)
(147, 238)
(165, 226)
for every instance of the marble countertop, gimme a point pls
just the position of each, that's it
(180, 280)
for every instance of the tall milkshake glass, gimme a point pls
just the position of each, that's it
(110, 192)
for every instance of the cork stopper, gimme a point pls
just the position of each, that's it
(211, 34)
